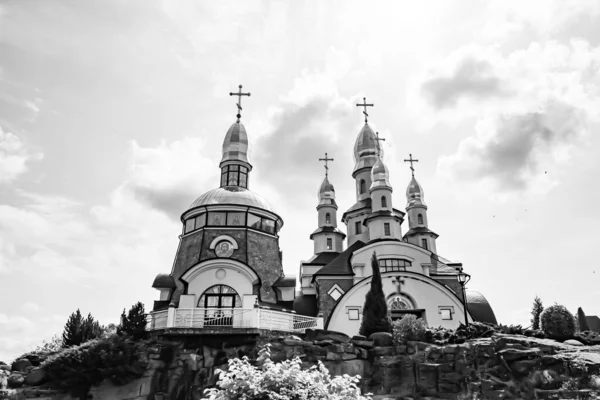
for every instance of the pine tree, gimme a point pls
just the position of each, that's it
(134, 322)
(536, 311)
(72, 334)
(91, 329)
(375, 312)
(582, 320)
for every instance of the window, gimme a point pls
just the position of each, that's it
(216, 218)
(253, 221)
(268, 225)
(420, 219)
(393, 265)
(234, 175)
(357, 227)
(189, 225)
(386, 229)
(329, 244)
(363, 187)
(327, 218)
(235, 218)
(353, 314)
(335, 292)
(424, 244)
(200, 221)
(446, 312)
(383, 202)
(218, 302)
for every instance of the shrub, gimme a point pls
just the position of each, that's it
(285, 380)
(536, 311)
(134, 323)
(78, 367)
(558, 323)
(375, 314)
(409, 328)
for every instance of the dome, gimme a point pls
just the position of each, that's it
(380, 175)
(479, 308)
(232, 195)
(414, 194)
(326, 193)
(164, 281)
(365, 148)
(235, 145)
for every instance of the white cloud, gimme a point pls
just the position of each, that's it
(13, 157)
(30, 307)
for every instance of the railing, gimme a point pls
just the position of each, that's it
(207, 318)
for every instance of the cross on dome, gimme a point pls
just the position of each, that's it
(239, 94)
(365, 105)
(411, 161)
(378, 139)
(326, 159)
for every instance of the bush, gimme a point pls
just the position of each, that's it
(409, 328)
(536, 311)
(77, 368)
(134, 323)
(285, 380)
(558, 323)
(375, 314)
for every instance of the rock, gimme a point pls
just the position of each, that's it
(525, 366)
(324, 342)
(382, 339)
(359, 337)
(365, 344)
(322, 334)
(515, 354)
(21, 365)
(573, 342)
(382, 351)
(15, 381)
(293, 337)
(5, 367)
(36, 377)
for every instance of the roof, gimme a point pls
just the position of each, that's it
(306, 305)
(594, 322)
(383, 213)
(366, 203)
(414, 193)
(341, 264)
(164, 281)
(285, 281)
(328, 229)
(420, 230)
(322, 258)
(232, 195)
(235, 144)
(479, 308)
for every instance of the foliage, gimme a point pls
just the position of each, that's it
(54, 345)
(536, 333)
(282, 381)
(375, 314)
(557, 323)
(134, 323)
(78, 367)
(536, 311)
(589, 338)
(409, 328)
(510, 329)
(582, 320)
(79, 330)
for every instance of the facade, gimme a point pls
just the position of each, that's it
(228, 269)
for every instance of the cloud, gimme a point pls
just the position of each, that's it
(13, 157)
(30, 307)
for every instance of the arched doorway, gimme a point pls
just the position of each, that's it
(219, 302)
(400, 305)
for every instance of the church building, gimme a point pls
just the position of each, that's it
(228, 268)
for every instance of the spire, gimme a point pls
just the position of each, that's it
(365, 105)
(414, 192)
(380, 176)
(411, 160)
(326, 191)
(326, 159)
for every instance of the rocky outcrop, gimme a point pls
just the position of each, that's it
(502, 366)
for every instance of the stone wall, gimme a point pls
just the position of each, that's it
(503, 366)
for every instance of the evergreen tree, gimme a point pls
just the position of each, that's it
(375, 312)
(134, 322)
(72, 334)
(91, 329)
(536, 311)
(582, 321)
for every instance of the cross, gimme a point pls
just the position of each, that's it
(326, 159)
(365, 105)
(411, 161)
(378, 139)
(399, 283)
(239, 94)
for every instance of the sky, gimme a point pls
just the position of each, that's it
(113, 113)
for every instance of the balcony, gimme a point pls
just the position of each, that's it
(232, 318)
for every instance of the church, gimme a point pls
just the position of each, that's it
(228, 272)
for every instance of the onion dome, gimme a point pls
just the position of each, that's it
(326, 193)
(232, 195)
(235, 145)
(380, 175)
(365, 148)
(414, 194)
(164, 281)
(479, 308)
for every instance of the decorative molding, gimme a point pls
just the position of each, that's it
(218, 239)
(224, 263)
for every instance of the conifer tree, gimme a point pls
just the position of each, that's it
(536, 311)
(375, 311)
(134, 322)
(72, 334)
(582, 320)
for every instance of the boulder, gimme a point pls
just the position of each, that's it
(322, 334)
(516, 354)
(573, 342)
(381, 339)
(36, 377)
(15, 381)
(5, 367)
(365, 344)
(21, 365)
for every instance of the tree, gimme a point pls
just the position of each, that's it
(536, 311)
(375, 311)
(134, 322)
(79, 330)
(582, 320)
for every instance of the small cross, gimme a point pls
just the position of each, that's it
(239, 94)
(411, 161)
(399, 283)
(378, 139)
(326, 159)
(365, 105)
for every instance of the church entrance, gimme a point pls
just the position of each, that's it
(399, 314)
(400, 305)
(219, 302)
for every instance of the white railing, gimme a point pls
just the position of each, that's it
(262, 318)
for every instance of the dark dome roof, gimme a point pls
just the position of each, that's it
(164, 281)
(306, 305)
(480, 308)
(232, 195)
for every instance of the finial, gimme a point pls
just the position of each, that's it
(365, 105)
(239, 94)
(378, 139)
(326, 159)
(411, 161)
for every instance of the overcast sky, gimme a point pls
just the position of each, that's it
(112, 116)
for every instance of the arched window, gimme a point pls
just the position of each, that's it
(218, 302)
(363, 186)
(327, 218)
(329, 244)
(399, 302)
(420, 219)
(383, 202)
